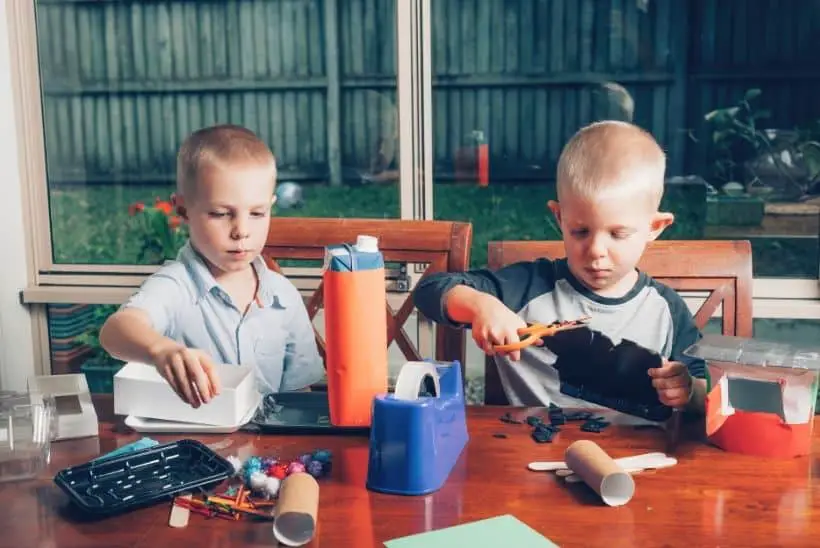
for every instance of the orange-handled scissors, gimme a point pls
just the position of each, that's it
(530, 334)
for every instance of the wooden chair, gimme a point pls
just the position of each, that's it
(723, 269)
(443, 245)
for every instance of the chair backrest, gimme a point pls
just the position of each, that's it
(721, 268)
(443, 245)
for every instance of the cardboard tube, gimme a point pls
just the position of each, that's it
(294, 520)
(600, 472)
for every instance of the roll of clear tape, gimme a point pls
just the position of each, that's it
(414, 376)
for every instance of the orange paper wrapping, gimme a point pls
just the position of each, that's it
(356, 343)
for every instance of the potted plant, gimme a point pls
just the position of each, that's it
(773, 164)
(161, 230)
(100, 367)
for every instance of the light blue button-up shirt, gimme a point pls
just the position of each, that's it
(275, 336)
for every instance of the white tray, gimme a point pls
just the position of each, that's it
(157, 426)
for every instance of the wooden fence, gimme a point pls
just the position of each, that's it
(125, 81)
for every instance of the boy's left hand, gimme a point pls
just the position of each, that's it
(673, 383)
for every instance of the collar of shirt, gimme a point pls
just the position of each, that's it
(205, 283)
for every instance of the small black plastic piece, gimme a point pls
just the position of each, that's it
(542, 435)
(532, 420)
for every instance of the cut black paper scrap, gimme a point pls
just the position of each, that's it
(544, 433)
(592, 368)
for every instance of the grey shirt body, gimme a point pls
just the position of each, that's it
(275, 336)
(543, 291)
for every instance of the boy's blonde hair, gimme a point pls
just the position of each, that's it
(609, 157)
(218, 145)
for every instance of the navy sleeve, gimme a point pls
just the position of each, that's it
(685, 332)
(514, 285)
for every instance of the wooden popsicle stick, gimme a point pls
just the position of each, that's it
(179, 514)
(644, 462)
(551, 466)
(575, 478)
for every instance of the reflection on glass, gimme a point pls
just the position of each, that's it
(728, 90)
(125, 82)
(75, 346)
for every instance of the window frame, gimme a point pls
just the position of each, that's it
(111, 284)
(414, 121)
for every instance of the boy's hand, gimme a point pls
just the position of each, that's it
(495, 324)
(190, 373)
(673, 383)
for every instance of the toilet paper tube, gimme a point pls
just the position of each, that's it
(599, 471)
(412, 377)
(294, 519)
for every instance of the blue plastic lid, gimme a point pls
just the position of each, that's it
(365, 255)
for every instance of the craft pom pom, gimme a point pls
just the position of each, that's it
(265, 474)
(236, 463)
(295, 468)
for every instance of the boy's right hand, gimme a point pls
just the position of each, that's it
(495, 324)
(190, 373)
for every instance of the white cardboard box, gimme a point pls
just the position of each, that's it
(76, 416)
(140, 391)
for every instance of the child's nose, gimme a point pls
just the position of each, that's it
(240, 229)
(597, 247)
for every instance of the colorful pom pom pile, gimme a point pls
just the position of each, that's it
(265, 474)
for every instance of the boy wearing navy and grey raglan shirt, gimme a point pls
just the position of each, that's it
(610, 183)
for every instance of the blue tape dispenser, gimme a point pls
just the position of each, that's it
(418, 431)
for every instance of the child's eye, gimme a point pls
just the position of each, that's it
(258, 214)
(217, 214)
(620, 235)
(580, 233)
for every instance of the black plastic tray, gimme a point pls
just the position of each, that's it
(298, 413)
(142, 478)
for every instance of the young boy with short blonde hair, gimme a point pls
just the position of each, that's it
(218, 302)
(610, 183)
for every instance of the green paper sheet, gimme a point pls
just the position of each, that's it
(487, 533)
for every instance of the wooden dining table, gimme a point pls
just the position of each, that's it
(709, 498)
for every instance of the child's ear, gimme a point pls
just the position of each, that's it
(660, 221)
(179, 205)
(556, 210)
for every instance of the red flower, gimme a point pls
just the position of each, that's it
(165, 207)
(174, 221)
(135, 208)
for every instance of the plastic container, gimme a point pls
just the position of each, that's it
(143, 477)
(26, 432)
(355, 330)
(761, 395)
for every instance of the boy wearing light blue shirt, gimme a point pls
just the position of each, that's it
(218, 302)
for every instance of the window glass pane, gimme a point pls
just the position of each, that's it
(74, 344)
(125, 82)
(514, 80)
(75, 347)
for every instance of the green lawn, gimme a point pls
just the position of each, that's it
(92, 225)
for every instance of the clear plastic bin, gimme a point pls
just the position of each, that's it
(26, 431)
(762, 395)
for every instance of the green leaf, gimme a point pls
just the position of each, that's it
(709, 116)
(752, 93)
